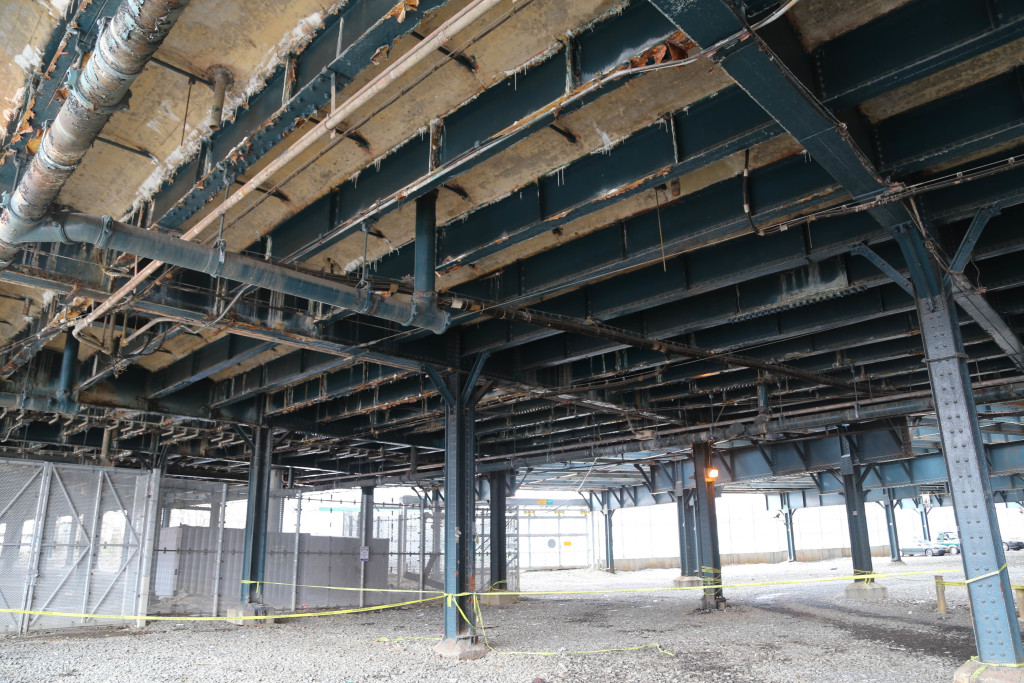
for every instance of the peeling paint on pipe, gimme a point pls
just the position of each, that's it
(123, 49)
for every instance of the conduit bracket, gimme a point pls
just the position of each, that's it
(105, 234)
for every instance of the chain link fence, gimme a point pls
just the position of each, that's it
(70, 541)
(313, 549)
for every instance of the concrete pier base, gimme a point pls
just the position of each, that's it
(250, 609)
(461, 648)
(710, 603)
(687, 581)
(976, 672)
(860, 590)
(498, 598)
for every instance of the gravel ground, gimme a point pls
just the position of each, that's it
(801, 632)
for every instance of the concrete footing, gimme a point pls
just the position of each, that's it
(498, 598)
(976, 672)
(685, 581)
(461, 648)
(250, 609)
(862, 590)
(713, 603)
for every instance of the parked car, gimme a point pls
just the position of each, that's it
(1013, 545)
(919, 546)
(950, 539)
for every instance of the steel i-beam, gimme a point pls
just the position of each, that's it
(890, 524)
(707, 527)
(365, 536)
(499, 560)
(853, 493)
(609, 536)
(254, 550)
(787, 517)
(922, 510)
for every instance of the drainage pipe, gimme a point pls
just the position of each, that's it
(122, 50)
(442, 35)
(425, 247)
(106, 233)
(222, 78)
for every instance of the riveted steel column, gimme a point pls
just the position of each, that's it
(860, 546)
(787, 517)
(365, 536)
(681, 521)
(707, 526)
(922, 510)
(254, 551)
(684, 520)
(995, 622)
(690, 514)
(996, 632)
(499, 558)
(459, 500)
(609, 541)
(890, 523)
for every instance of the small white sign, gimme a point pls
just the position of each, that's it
(364, 553)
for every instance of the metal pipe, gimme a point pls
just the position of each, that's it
(425, 246)
(104, 232)
(68, 369)
(443, 34)
(135, 32)
(222, 78)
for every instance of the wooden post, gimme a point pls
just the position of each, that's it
(940, 594)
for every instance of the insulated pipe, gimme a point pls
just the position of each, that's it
(442, 35)
(122, 50)
(104, 232)
(222, 78)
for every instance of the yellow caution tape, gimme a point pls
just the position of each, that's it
(146, 617)
(986, 576)
(987, 665)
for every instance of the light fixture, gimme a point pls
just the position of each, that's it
(712, 474)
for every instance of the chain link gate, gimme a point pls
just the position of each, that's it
(70, 541)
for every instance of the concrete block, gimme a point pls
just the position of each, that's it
(860, 590)
(498, 598)
(976, 672)
(687, 581)
(250, 609)
(461, 648)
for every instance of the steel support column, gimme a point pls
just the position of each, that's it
(860, 545)
(609, 540)
(684, 522)
(922, 510)
(692, 567)
(890, 524)
(460, 400)
(707, 527)
(365, 536)
(254, 551)
(996, 632)
(499, 559)
(787, 517)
